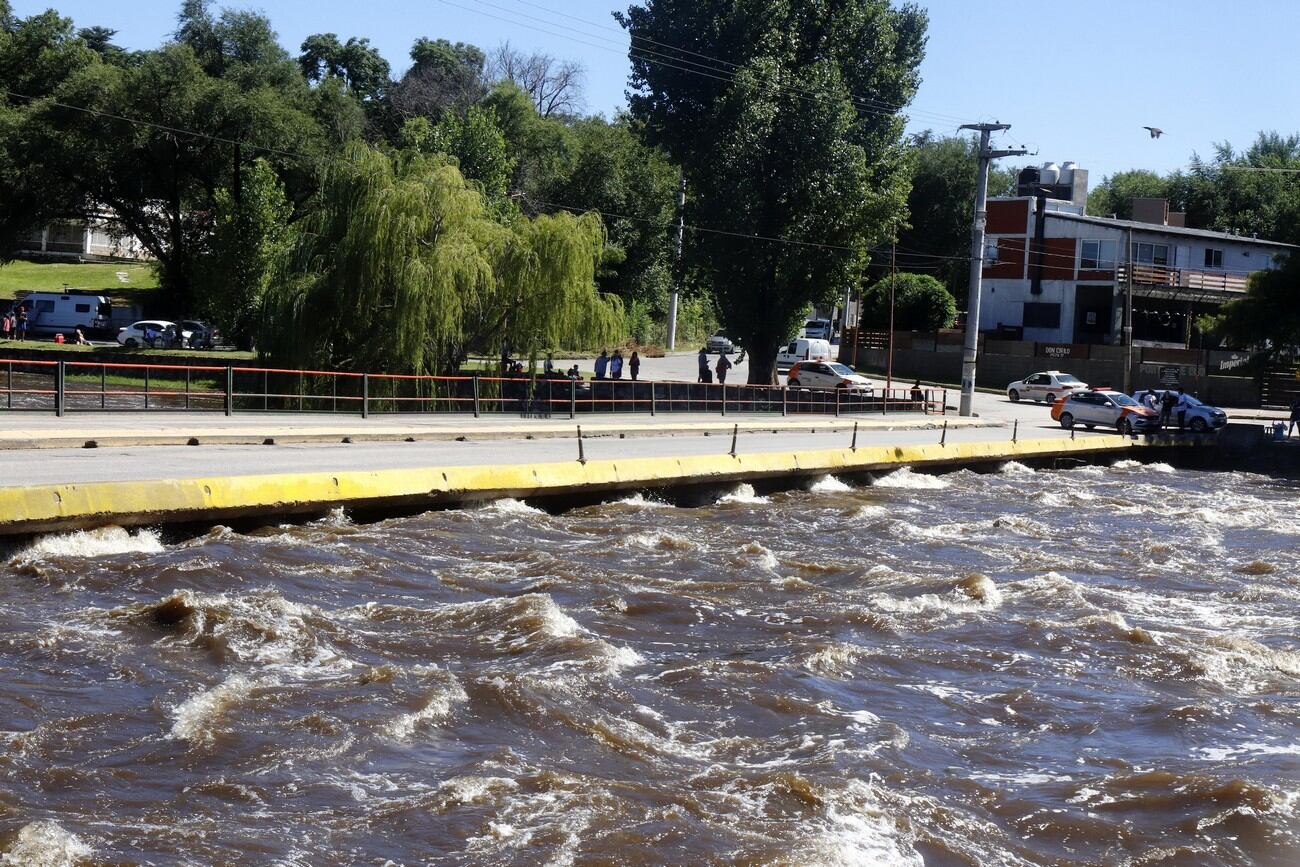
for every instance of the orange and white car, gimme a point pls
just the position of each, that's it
(1105, 408)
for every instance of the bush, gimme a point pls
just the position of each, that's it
(921, 303)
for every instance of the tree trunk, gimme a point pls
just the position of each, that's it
(762, 360)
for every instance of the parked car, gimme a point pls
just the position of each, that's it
(200, 334)
(818, 329)
(719, 342)
(1105, 408)
(826, 374)
(49, 312)
(154, 333)
(1046, 386)
(1201, 417)
(802, 349)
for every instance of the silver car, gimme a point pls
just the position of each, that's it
(719, 342)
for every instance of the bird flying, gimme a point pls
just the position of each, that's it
(1155, 131)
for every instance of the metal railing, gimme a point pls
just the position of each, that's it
(90, 386)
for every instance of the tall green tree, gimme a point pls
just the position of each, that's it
(1268, 316)
(474, 139)
(792, 145)
(1115, 194)
(402, 266)
(248, 239)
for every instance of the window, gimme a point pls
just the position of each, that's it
(1151, 254)
(1098, 255)
(82, 308)
(44, 306)
(1041, 315)
(1213, 258)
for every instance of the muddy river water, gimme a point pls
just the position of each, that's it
(1052, 667)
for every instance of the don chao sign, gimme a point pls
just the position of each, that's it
(1063, 350)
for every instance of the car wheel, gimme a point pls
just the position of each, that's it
(1124, 427)
(1067, 420)
(1051, 398)
(131, 343)
(1199, 425)
(1014, 395)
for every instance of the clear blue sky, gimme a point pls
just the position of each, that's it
(1075, 81)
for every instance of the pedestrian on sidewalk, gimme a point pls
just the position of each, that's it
(22, 323)
(1181, 406)
(1295, 417)
(634, 365)
(705, 375)
(616, 365)
(548, 368)
(723, 366)
(6, 325)
(602, 364)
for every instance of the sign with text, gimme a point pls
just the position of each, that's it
(1063, 350)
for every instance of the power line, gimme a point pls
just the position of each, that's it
(861, 104)
(889, 107)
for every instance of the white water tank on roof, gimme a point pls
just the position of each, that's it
(1067, 173)
(1049, 175)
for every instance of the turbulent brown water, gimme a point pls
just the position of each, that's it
(1088, 666)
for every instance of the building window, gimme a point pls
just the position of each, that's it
(1151, 254)
(1098, 255)
(1042, 315)
(1213, 258)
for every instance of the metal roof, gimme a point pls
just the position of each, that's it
(1170, 230)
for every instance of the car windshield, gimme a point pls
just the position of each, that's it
(1065, 377)
(1123, 400)
(841, 369)
(813, 324)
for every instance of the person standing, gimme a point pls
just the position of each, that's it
(1181, 407)
(634, 365)
(704, 364)
(1167, 403)
(6, 325)
(723, 366)
(22, 323)
(548, 369)
(616, 365)
(1295, 417)
(602, 364)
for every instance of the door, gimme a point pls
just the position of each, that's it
(1092, 313)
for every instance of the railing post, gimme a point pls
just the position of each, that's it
(652, 397)
(1015, 430)
(735, 432)
(724, 398)
(59, 396)
(945, 401)
(854, 447)
(187, 388)
(365, 395)
(837, 402)
(230, 390)
(266, 390)
(475, 391)
(146, 387)
(9, 387)
(573, 398)
(103, 386)
(943, 437)
(784, 392)
(582, 456)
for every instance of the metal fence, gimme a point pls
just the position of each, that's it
(77, 386)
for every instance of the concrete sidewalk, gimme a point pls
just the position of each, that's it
(85, 430)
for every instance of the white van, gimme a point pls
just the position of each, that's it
(802, 349)
(48, 312)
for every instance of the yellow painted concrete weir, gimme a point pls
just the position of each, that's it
(43, 508)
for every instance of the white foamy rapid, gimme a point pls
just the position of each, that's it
(829, 485)
(745, 494)
(511, 506)
(103, 542)
(196, 719)
(46, 844)
(436, 708)
(905, 478)
(641, 501)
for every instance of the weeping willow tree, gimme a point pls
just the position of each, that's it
(402, 267)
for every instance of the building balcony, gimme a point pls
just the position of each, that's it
(1160, 280)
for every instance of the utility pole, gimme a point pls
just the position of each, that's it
(1128, 311)
(681, 229)
(893, 279)
(971, 352)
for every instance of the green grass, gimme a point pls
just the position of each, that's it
(120, 353)
(141, 281)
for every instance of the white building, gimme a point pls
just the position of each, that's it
(99, 238)
(1057, 275)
